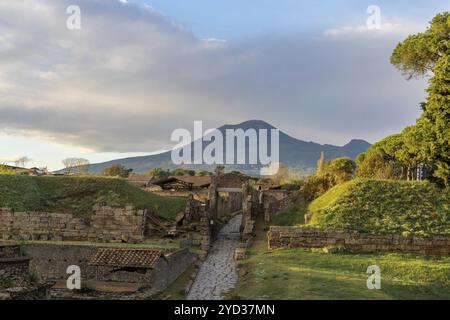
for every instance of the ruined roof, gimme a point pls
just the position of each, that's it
(136, 258)
(193, 181)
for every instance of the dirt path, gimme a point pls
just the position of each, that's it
(218, 274)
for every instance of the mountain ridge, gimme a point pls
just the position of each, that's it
(296, 153)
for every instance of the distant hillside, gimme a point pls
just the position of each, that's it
(296, 153)
(78, 195)
(384, 207)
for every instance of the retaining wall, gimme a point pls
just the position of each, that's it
(106, 224)
(295, 237)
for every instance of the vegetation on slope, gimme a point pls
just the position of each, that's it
(384, 207)
(78, 195)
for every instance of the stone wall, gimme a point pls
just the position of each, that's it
(296, 237)
(106, 224)
(277, 201)
(50, 261)
(14, 266)
(228, 203)
(170, 268)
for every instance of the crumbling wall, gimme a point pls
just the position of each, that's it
(275, 202)
(50, 261)
(106, 224)
(298, 237)
(14, 266)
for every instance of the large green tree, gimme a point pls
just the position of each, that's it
(428, 54)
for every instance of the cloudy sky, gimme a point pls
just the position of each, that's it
(137, 70)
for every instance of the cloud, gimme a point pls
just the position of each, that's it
(130, 76)
(388, 27)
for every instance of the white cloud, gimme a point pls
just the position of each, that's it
(393, 27)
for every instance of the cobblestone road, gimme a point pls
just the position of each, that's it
(218, 273)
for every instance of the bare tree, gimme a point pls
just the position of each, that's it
(22, 161)
(78, 165)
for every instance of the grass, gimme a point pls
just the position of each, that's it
(384, 207)
(303, 274)
(78, 195)
(291, 217)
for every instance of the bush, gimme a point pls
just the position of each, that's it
(315, 186)
(341, 168)
(117, 170)
(6, 170)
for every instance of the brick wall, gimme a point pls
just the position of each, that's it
(295, 237)
(106, 224)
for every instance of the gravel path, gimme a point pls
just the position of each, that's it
(218, 273)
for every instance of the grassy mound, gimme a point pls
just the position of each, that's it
(384, 207)
(77, 195)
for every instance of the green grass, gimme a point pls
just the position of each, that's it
(78, 195)
(303, 274)
(291, 217)
(384, 207)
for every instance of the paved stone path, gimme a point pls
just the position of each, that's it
(218, 273)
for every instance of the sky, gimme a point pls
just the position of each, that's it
(137, 70)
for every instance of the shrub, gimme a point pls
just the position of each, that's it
(6, 170)
(315, 186)
(341, 168)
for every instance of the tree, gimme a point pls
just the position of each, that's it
(341, 168)
(182, 172)
(76, 165)
(380, 161)
(321, 165)
(22, 162)
(117, 170)
(428, 54)
(159, 173)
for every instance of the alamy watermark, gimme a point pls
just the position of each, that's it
(374, 20)
(249, 146)
(374, 280)
(73, 22)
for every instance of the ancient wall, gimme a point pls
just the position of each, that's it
(169, 269)
(50, 261)
(295, 237)
(228, 202)
(278, 201)
(106, 224)
(14, 266)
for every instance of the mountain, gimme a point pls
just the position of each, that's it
(295, 153)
